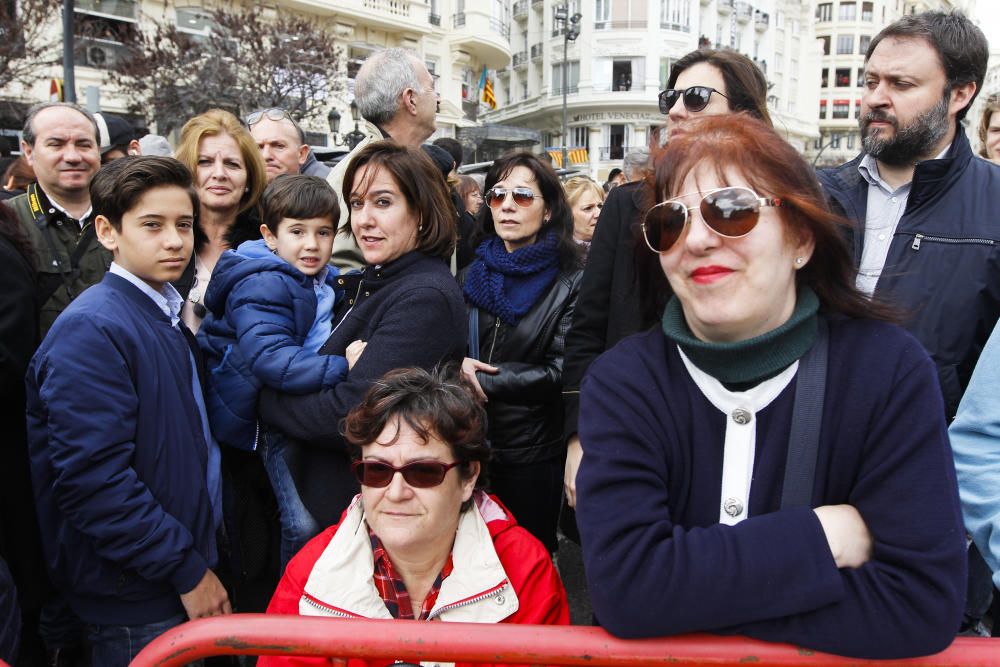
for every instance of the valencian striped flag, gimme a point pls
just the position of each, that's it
(486, 84)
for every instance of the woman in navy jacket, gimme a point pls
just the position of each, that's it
(405, 305)
(701, 505)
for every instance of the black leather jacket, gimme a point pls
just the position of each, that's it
(525, 397)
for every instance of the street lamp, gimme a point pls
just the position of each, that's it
(834, 142)
(570, 30)
(350, 139)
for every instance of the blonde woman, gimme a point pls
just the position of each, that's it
(229, 176)
(586, 199)
(989, 129)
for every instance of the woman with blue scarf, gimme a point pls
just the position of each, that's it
(521, 290)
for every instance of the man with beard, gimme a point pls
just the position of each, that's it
(927, 241)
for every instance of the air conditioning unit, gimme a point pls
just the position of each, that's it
(100, 56)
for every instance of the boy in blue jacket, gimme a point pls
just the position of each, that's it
(270, 306)
(124, 469)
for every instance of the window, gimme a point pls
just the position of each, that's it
(602, 10)
(822, 109)
(863, 43)
(824, 12)
(826, 45)
(843, 77)
(825, 78)
(845, 44)
(675, 15)
(861, 77)
(866, 11)
(572, 77)
(579, 137)
(857, 109)
(665, 65)
(621, 75)
(848, 11)
(841, 109)
(851, 139)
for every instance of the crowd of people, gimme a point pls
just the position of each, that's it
(761, 397)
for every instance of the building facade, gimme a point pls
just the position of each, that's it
(845, 29)
(621, 59)
(455, 38)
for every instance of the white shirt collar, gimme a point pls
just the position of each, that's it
(58, 207)
(168, 299)
(868, 168)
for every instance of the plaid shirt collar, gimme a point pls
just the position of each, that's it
(391, 588)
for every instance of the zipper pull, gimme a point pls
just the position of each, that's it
(916, 241)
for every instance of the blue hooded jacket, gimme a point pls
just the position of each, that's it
(261, 310)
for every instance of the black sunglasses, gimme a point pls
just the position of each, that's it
(419, 474)
(730, 212)
(695, 98)
(522, 196)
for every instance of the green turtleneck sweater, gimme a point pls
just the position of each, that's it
(746, 363)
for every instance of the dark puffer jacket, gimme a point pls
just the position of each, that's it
(943, 267)
(525, 397)
(260, 310)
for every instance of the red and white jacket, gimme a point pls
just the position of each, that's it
(501, 574)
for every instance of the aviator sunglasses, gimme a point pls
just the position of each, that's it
(523, 197)
(419, 474)
(695, 98)
(730, 212)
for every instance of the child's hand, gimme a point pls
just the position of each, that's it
(354, 351)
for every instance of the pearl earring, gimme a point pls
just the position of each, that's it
(799, 260)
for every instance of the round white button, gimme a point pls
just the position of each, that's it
(742, 416)
(733, 507)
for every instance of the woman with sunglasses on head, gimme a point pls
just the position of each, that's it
(521, 290)
(772, 460)
(230, 177)
(705, 82)
(405, 306)
(422, 540)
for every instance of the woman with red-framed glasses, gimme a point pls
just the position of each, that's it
(521, 290)
(772, 460)
(422, 540)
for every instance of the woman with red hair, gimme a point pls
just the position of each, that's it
(772, 460)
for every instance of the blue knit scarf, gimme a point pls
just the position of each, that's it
(507, 284)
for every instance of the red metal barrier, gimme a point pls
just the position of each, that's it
(413, 641)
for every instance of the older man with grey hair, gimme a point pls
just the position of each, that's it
(635, 164)
(395, 95)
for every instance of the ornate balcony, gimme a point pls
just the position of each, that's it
(484, 37)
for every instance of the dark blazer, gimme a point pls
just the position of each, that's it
(411, 313)
(608, 308)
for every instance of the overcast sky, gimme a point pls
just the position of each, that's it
(988, 13)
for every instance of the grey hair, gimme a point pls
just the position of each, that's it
(28, 132)
(380, 82)
(634, 163)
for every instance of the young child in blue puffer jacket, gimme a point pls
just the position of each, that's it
(270, 306)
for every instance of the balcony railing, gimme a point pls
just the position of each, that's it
(123, 9)
(743, 11)
(761, 20)
(679, 27)
(638, 24)
(520, 9)
(537, 3)
(520, 59)
(393, 7)
(536, 51)
(434, 19)
(726, 6)
(570, 89)
(458, 20)
(498, 26)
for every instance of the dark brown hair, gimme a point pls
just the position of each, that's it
(746, 85)
(422, 186)
(299, 197)
(22, 174)
(437, 403)
(960, 45)
(560, 213)
(772, 168)
(118, 185)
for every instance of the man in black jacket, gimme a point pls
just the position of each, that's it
(927, 240)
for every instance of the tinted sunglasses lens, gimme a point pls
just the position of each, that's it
(667, 100)
(731, 212)
(423, 475)
(663, 225)
(523, 197)
(373, 473)
(696, 98)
